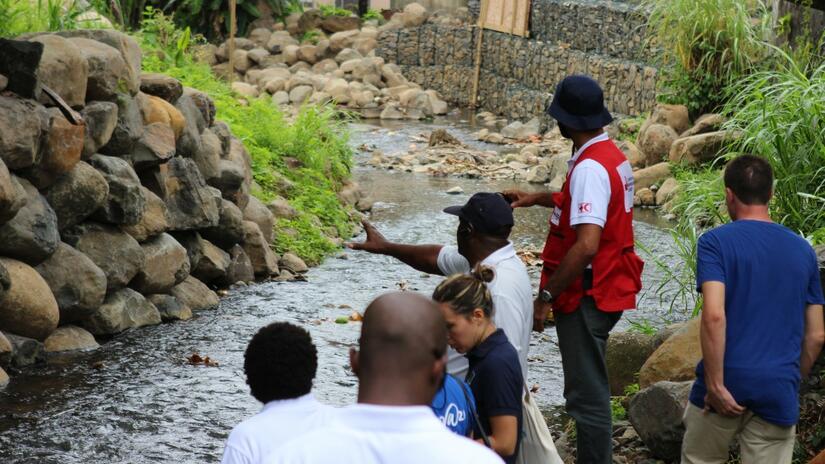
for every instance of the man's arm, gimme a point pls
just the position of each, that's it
(421, 257)
(520, 199)
(712, 335)
(814, 338)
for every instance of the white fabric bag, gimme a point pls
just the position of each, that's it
(537, 445)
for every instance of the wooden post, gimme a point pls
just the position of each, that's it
(232, 26)
(481, 18)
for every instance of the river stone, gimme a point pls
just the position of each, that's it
(126, 46)
(6, 350)
(711, 122)
(229, 230)
(31, 236)
(25, 351)
(279, 41)
(12, 194)
(673, 116)
(78, 284)
(107, 71)
(63, 69)
(189, 142)
(635, 156)
(70, 338)
(59, 153)
(293, 263)
(23, 125)
(231, 182)
(101, 120)
(667, 191)
(195, 294)
(156, 146)
(161, 85)
(78, 194)
(213, 263)
(626, 352)
(123, 309)
(653, 175)
(676, 359)
(256, 212)
(116, 253)
(264, 260)
(29, 308)
(154, 220)
(158, 110)
(166, 265)
(240, 268)
(190, 203)
(655, 142)
(700, 148)
(260, 35)
(4, 378)
(128, 129)
(209, 156)
(656, 414)
(170, 308)
(204, 104)
(125, 203)
(281, 209)
(414, 15)
(18, 63)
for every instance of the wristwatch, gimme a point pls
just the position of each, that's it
(546, 296)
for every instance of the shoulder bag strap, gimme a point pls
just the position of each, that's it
(471, 405)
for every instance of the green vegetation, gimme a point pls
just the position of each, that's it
(331, 10)
(18, 17)
(211, 17)
(305, 160)
(373, 14)
(618, 403)
(312, 36)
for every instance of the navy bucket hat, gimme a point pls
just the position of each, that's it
(579, 104)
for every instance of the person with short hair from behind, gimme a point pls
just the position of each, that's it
(761, 327)
(495, 374)
(280, 364)
(399, 365)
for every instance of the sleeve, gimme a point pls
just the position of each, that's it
(502, 392)
(510, 318)
(233, 455)
(451, 262)
(815, 284)
(589, 194)
(710, 265)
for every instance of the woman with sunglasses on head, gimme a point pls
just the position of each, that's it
(495, 373)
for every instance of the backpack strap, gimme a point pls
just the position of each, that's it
(470, 404)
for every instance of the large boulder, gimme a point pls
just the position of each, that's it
(70, 338)
(335, 24)
(189, 142)
(77, 283)
(653, 175)
(166, 265)
(156, 146)
(125, 45)
(23, 124)
(101, 120)
(208, 158)
(161, 85)
(125, 203)
(414, 15)
(59, 153)
(123, 309)
(673, 116)
(655, 142)
(18, 63)
(107, 71)
(667, 191)
(264, 260)
(63, 69)
(239, 269)
(342, 40)
(676, 359)
(157, 110)
(170, 308)
(25, 351)
(128, 129)
(195, 294)
(229, 230)
(77, 195)
(281, 209)
(5, 350)
(625, 354)
(12, 194)
(32, 235)
(154, 220)
(190, 203)
(710, 122)
(656, 414)
(116, 253)
(213, 263)
(256, 212)
(699, 148)
(29, 308)
(293, 263)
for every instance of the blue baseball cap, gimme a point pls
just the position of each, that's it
(487, 212)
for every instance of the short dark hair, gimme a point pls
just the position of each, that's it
(280, 362)
(751, 179)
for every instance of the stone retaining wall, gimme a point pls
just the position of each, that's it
(604, 40)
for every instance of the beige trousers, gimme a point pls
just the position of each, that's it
(708, 438)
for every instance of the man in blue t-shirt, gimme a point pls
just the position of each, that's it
(453, 404)
(761, 329)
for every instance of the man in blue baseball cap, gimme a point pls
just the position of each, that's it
(591, 272)
(484, 226)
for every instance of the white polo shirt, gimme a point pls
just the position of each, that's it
(589, 187)
(512, 299)
(372, 434)
(278, 422)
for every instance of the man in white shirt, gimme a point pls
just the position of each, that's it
(484, 226)
(399, 367)
(280, 363)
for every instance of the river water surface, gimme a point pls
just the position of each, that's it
(137, 400)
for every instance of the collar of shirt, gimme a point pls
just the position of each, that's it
(599, 138)
(505, 252)
(292, 403)
(483, 349)
(378, 418)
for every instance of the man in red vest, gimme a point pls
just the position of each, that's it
(591, 272)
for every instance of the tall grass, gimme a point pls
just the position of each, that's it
(21, 16)
(705, 45)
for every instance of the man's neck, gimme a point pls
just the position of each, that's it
(753, 213)
(581, 138)
(390, 393)
(483, 251)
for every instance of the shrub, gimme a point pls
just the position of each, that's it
(211, 17)
(331, 10)
(18, 17)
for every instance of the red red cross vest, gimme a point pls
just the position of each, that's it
(617, 270)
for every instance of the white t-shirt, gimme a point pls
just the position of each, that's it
(278, 422)
(512, 300)
(372, 434)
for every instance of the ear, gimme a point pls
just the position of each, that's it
(353, 361)
(729, 195)
(478, 314)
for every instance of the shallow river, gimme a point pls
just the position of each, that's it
(136, 400)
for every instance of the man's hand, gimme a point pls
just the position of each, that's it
(540, 312)
(721, 401)
(520, 199)
(375, 242)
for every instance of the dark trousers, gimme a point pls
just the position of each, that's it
(582, 340)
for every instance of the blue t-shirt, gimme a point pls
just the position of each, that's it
(451, 407)
(497, 384)
(770, 275)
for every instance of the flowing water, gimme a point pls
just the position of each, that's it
(137, 400)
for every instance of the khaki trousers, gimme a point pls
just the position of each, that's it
(708, 438)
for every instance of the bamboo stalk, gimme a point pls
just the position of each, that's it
(232, 26)
(477, 71)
